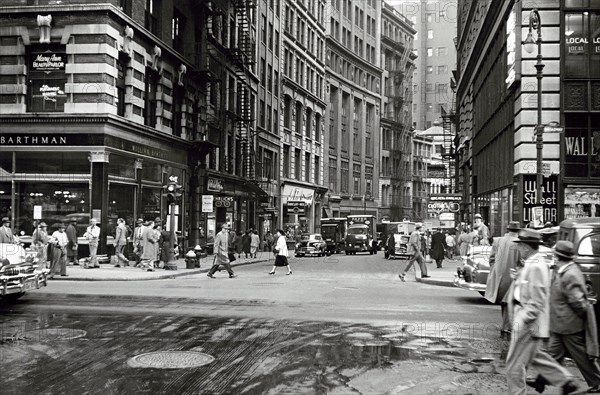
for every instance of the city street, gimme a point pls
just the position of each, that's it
(341, 325)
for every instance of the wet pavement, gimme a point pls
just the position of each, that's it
(111, 353)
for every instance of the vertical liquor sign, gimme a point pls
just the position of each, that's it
(549, 200)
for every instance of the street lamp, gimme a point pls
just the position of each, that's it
(529, 44)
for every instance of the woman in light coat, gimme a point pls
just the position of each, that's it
(149, 244)
(281, 253)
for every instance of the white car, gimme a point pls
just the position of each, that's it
(19, 271)
(312, 244)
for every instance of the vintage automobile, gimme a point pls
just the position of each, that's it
(401, 246)
(19, 271)
(475, 269)
(312, 244)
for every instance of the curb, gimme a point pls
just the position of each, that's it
(439, 283)
(168, 274)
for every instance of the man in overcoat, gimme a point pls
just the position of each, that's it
(6, 235)
(530, 305)
(503, 257)
(438, 247)
(414, 250)
(570, 317)
(149, 245)
(221, 252)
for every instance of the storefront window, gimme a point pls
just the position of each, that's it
(5, 199)
(576, 146)
(151, 171)
(576, 44)
(121, 202)
(53, 162)
(121, 166)
(58, 202)
(582, 202)
(5, 163)
(150, 203)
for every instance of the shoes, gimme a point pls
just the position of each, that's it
(402, 275)
(594, 390)
(210, 275)
(539, 384)
(288, 273)
(271, 273)
(150, 269)
(117, 266)
(425, 276)
(232, 275)
(569, 387)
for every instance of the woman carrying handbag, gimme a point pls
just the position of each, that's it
(281, 253)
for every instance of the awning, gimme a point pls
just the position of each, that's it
(256, 190)
(297, 194)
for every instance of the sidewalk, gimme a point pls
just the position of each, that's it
(107, 272)
(443, 277)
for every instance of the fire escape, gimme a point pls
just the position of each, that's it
(449, 131)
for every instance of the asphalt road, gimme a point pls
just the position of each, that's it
(339, 325)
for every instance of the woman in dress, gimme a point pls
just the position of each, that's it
(281, 253)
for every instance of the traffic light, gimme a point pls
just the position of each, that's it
(174, 191)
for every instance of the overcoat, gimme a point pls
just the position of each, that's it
(149, 243)
(503, 257)
(438, 244)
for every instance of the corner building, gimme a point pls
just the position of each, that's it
(497, 99)
(103, 102)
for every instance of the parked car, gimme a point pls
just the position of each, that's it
(312, 244)
(19, 271)
(475, 269)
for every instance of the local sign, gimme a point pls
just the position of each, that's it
(513, 40)
(48, 61)
(296, 207)
(214, 185)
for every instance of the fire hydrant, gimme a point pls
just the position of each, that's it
(190, 260)
(200, 253)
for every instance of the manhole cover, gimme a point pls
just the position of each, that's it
(170, 360)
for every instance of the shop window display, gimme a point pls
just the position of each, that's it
(121, 202)
(59, 202)
(581, 202)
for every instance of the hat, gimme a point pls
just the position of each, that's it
(73, 220)
(564, 249)
(61, 225)
(139, 221)
(529, 236)
(548, 224)
(513, 225)
(42, 224)
(5, 220)
(478, 216)
(157, 220)
(197, 248)
(226, 225)
(418, 226)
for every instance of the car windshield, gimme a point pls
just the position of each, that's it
(357, 231)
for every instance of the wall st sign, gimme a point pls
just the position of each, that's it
(548, 201)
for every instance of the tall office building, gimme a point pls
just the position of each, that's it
(354, 106)
(303, 110)
(398, 62)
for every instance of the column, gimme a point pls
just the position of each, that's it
(138, 165)
(99, 195)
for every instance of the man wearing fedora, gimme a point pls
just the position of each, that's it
(414, 250)
(530, 307)
(6, 235)
(503, 257)
(92, 234)
(483, 232)
(221, 251)
(39, 240)
(572, 319)
(59, 241)
(137, 241)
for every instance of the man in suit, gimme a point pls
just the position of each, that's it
(414, 250)
(221, 252)
(483, 232)
(137, 241)
(503, 257)
(530, 305)
(92, 234)
(570, 316)
(438, 247)
(6, 235)
(71, 232)
(59, 252)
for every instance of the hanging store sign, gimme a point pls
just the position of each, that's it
(548, 202)
(513, 44)
(207, 203)
(293, 193)
(214, 184)
(296, 208)
(223, 201)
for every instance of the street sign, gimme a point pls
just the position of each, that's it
(447, 217)
(553, 129)
(37, 212)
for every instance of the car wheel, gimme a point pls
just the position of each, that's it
(13, 297)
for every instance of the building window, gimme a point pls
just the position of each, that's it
(442, 69)
(299, 116)
(287, 116)
(345, 177)
(178, 30)
(286, 161)
(152, 20)
(150, 98)
(270, 78)
(317, 127)
(429, 51)
(297, 164)
(47, 83)
(271, 35)
(442, 51)
(263, 30)
(177, 125)
(333, 175)
(307, 167)
(275, 121)
(317, 169)
(261, 112)
(356, 144)
(268, 165)
(120, 86)
(276, 83)
(308, 123)
(429, 69)
(430, 34)
(263, 71)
